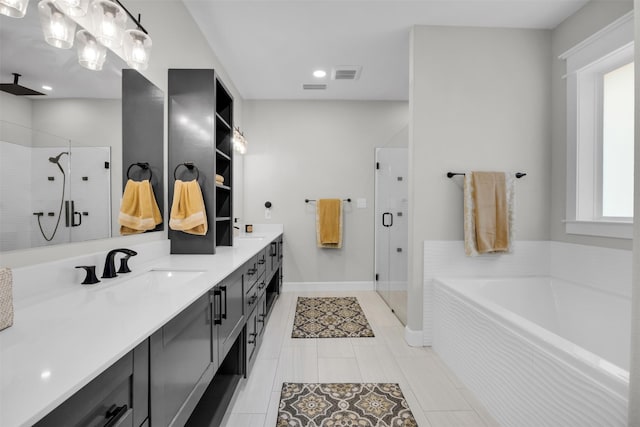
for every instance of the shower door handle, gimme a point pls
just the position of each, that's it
(73, 220)
(384, 223)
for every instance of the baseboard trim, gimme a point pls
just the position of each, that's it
(327, 286)
(413, 338)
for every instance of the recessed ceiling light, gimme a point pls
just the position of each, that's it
(45, 87)
(319, 73)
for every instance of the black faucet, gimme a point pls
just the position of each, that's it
(109, 264)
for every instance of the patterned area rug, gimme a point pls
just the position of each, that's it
(330, 317)
(343, 404)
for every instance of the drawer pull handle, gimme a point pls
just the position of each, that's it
(261, 261)
(252, 271)
(114, 414)
(254, 339)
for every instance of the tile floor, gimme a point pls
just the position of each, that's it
(435, 396)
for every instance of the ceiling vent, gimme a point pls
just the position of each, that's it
(310, 86)
(346, 72)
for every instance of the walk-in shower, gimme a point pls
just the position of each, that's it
(55, 160)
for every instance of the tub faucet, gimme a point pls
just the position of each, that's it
(109, 264)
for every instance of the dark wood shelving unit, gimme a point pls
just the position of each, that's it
(199, 96)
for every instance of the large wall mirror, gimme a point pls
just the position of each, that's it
(62, 169)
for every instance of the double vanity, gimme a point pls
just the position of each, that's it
(164, 345)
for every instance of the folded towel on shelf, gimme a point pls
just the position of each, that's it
(488, 212)
(219, 179)
(329, 223)
(6, 298)
(139, 210)
(187, 210)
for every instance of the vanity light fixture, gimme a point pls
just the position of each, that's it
(319, 74)
(91, 53)
(59, 30)
(239, 142)
(104, 28)
(14, 8)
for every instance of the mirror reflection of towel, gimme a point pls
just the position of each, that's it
(488, 212)
(139, 210)
(187, 210)
(329, 223)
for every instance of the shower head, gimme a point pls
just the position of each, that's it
(56, 159)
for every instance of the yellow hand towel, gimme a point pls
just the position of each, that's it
(219, 179)
(139, 210)
(329, 223)
(187, 211)
(487, 213)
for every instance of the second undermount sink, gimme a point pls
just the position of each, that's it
(169, 277)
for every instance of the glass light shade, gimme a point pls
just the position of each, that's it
(137, 49)
(59, 30)
(13, 8)
(91, 53)
(73, 7)
(109, 20)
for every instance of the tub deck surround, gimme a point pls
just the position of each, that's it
(536, 351)
(61, 341)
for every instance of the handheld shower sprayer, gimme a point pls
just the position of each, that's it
(56, 160)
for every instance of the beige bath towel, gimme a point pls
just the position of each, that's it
(488, 212)
(139, 210)
(329, 223)
(187, 210)
(6, 298)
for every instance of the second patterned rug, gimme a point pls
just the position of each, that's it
(343, 404)
(330, 317)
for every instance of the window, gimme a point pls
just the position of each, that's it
(600, 140)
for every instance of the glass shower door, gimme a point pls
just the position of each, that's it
(391, 228)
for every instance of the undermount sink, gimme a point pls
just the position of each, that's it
(159, 277)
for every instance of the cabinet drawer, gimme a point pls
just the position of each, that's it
(251, 339)
(228, 312)
(118, 397)
(250, 270)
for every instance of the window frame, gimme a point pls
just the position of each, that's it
(586, 65)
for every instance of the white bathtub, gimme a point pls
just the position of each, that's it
(537, 351)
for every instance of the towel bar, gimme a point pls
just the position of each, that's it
(143, 166)
(313, 200)
(189, 165)
(452, 174)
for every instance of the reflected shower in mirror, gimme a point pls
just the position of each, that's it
(52, 193)
(80, 113)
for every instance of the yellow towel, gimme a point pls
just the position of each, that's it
(329, 223)
(139, 210)
(187, 211)
(219, 179)
(488, 212)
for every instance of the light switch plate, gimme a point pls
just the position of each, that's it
(361, 203)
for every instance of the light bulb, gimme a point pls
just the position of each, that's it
(109, 20)
(91, 54)
(14, 8)
(59, 30)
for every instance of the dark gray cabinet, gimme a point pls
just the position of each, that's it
(117, 397)
(228, 313)
(182, 364)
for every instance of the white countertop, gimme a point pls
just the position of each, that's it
(60, 342)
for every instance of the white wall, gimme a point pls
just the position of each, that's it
(634, 384)
(479, 100)
(177, 43)
(318, 149)
(587, 21)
